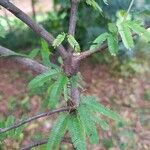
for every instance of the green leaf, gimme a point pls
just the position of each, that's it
(99, 40)
(77, 132)
(136, 27)
(112, 28)
(45, 53)
(74, 44)
(10, 121)
(56, 90)
(89, 125)
(34, 53)
(103, 124)
(57, 132)
(97, 107)
(66, 93)
(2, 125)
(94, 4)
(42, 78)
(18, 132)
(113, 44)
(125, 34)
(105, 1)
(59, 39)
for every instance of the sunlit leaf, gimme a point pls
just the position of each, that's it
(59, 39)
(72, 41)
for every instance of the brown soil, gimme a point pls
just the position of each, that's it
(124, 95)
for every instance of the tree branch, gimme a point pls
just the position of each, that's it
(33, 65)
(65, 140)
(2, 130)
(73, 20)
(34, 26)
(73, 16)
(88, 53)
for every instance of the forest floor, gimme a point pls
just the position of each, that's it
(129, 96)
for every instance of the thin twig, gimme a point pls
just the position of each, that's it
(88, 53)
(33, 25)
(130, 6)
(64, 140)
(75, 96)
(31, 64)
(2, 130)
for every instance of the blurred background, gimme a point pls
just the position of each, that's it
(121, 83)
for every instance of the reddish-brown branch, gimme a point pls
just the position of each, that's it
(73, 16)
(73, 20)
(34, 26)
(2, 130)
(31, 64)
(75, 94)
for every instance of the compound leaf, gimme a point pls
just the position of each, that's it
(94, 4)
(56, 90)
(57, 132)
(99, 40)
(113, 44)
(42, 78)
(136, 27)
(125, 34)
(77, 132)
(72, 41)
(97, 107)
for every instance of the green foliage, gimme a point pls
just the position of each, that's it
(81, 123)
(125, 34)
(10, 121)
(66, 92)
(57, 89)
(72, 41)
(57, 132)
(105, 1)
(136, 27)
(45, 53)
(92, 104)
(112, 28)
(77, 132)
(86, 117)
(42, 78)
(103, 124)
(16, 134)
(99, 40)
(2, 31)
(59, 39)
(113, 44)
(34, 53)
(131, 67)
(94, 4)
